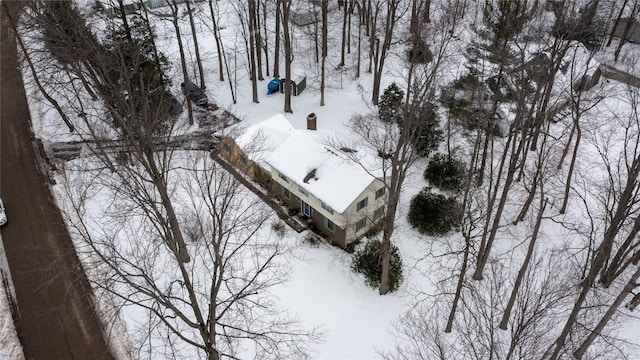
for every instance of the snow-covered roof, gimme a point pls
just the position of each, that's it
(259, 140)
(337, 181)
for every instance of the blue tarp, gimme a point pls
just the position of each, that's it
(273, 86)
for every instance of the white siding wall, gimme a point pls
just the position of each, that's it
(351, 216)
(315, 203)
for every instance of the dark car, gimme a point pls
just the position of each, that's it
(194, 93)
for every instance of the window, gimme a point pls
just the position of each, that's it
(307, 210)
(282, 177)
(329, 225)
(302, 191)
(326, 207)
(362, 204)
(378, 213)
(286, 193)
(380, 193)
(361, 224)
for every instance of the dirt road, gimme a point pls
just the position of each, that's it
(55, 319)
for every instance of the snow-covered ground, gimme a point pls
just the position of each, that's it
(10, 347)
(323, 291)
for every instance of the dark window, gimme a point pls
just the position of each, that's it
(282, 177)
(329, 225)
(362, 204)
(361, 224)
(286, 193)
(380, 193)
(378, 213)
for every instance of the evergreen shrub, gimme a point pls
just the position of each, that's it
(434, 214)
(445, 173)
(367, 262)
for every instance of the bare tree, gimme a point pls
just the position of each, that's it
(216, 36)
(190, 247)
(325, 31)
(285, 6)
(253, 49)
(217, 304)
(620, 202)
(173, 5)
(606, 318)
(474, 334)
(194, 36)
(391, 15)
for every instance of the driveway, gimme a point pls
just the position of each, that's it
(55, 318)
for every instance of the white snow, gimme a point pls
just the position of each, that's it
(10, 347)
(261, 139)
(337, 181)
(323, 291)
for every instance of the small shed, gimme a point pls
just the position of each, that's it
(298, 84)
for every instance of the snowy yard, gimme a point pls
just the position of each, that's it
(321, 290)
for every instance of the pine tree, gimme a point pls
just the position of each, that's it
(390, 103)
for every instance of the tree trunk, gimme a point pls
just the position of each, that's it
(258, 38)
(359, 42)
(426, 13)
(252, 50)
(381, 54)
(567, 186)
(601, 257)
(183, 61)
(565, 151)
(631, 284)
(265, 38)
(34, 73)
(625, 32)
(467, 236)
(194, 34)
(325, 5)
(276, 48)
(486, 245)
(525, 264)
(286, 5)
(216, 36)
(344, 35)
(388, 228)
(125, 22)
(616, 266)
(617, 22)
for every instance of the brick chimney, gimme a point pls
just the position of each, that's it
(311, 121)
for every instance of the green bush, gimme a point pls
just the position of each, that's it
(434, 214)
(445, 173)
(389, 108)
(367, 262)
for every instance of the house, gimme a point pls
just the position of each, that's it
(249, 150)
(323, 185)
(326, 187)
(578, 68)
(632, 33)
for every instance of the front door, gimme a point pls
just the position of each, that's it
(307, 210)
